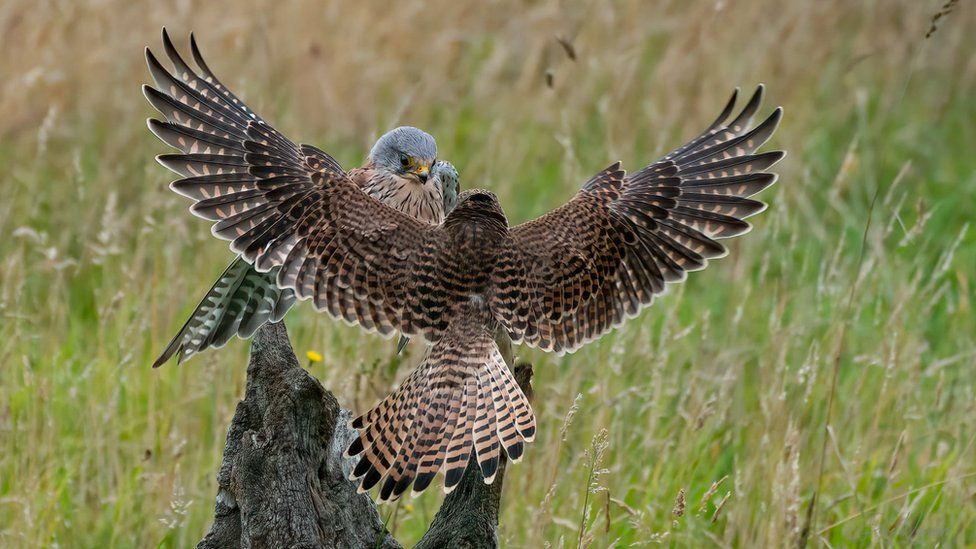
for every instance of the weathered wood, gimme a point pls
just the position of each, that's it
(283, 480)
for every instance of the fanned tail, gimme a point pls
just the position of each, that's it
(461, 402)
(241, 301)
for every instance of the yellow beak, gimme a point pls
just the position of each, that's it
(422, 170)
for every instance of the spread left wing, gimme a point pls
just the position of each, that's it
(286, 206)
(578, 271)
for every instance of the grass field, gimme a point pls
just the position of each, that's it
(831, 353)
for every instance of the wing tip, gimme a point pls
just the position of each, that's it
(727, 110)
(757, 95)
(158, 128)
(776, 157)
(772, 121)
(164, 33)
(197, 56)
(148, 92)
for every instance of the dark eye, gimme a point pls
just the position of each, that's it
(404, 160)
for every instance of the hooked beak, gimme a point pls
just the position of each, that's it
(422, 172)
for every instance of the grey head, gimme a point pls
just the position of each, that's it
(406, 152)
(446, 175)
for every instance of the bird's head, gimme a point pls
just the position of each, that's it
(446, 174)
(406, 152)
(480, 204)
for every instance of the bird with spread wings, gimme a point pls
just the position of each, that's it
(554, 283)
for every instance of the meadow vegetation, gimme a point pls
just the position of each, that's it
(831, 353)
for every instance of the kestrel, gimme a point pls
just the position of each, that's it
(555, 283)
(401, 170)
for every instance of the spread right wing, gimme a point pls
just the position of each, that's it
(601, 258)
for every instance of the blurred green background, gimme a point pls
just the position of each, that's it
(862, 265)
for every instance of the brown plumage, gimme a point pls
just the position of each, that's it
(554, 283)
(461, 401)
(208, 125)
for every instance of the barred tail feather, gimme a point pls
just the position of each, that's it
(462, 404)
(240, 301)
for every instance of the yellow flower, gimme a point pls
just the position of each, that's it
(313, 356)
(408, 508)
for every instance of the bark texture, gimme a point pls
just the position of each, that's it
(283, 480)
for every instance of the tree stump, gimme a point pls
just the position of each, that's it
(283, 481)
